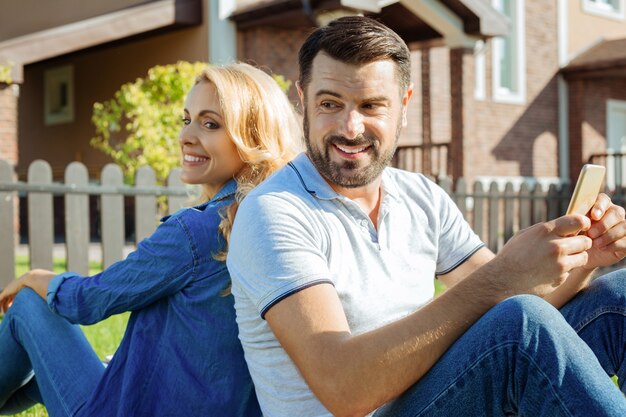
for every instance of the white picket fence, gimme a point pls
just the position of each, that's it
(495, 211)
(76, 189)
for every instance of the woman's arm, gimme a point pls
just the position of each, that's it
(163, 264)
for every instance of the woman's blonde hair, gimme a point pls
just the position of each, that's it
(260, 121)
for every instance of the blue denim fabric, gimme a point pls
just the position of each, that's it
(180, 355)
(525, 358)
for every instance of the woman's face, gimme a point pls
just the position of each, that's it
(209, 156)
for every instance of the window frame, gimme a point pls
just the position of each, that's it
(499, 93)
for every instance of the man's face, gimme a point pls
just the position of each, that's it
(353, 115)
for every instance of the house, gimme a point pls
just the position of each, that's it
(504, 89)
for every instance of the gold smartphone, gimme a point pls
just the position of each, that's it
(587, 188)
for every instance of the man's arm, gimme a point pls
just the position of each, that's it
(477, 260)
(353, 375)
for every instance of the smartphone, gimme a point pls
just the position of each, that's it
(586, 190)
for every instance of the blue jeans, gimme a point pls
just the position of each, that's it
(526, 358)
(32, 338)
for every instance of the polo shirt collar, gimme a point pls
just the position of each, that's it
(315, 184)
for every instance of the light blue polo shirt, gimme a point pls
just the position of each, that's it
(295, 231)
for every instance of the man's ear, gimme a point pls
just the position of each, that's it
(406, 98)
(300, 92)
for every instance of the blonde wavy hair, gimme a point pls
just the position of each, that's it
(260, 121)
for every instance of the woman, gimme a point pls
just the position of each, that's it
(180, 355)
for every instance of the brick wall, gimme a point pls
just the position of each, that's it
(502, 139)
(8, 123)
(274, 49)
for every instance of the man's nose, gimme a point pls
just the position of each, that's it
(352, 124)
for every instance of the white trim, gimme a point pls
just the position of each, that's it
(563, 34)
(222, 32)
(499, 94)
(603, 10)
(611, 106)
(563, 128)
(443, 20)
(480, 82)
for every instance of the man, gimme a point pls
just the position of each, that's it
(332, 262)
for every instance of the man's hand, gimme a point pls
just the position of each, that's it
(608, 233)
(538, 259)
(37, 279)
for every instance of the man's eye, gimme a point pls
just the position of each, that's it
(328, 105)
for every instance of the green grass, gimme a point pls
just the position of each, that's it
(104, 336)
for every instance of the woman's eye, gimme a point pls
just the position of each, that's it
(186, 121)
(211, 125)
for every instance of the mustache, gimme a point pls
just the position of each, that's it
(360, 140)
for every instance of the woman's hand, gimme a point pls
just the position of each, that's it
(37, 279)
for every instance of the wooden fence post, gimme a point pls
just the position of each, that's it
(40, 219)
(175, 203)
(494, 216)
(479, 210)
(7, 227)
(112, 217)
(509, 211)
(77, 220)
(145, 205)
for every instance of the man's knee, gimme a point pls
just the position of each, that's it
(527, 315)
(611, 288)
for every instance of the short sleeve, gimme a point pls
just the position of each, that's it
(275, 250)
(457, 241)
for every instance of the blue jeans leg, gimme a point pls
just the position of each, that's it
(598, 314)
(521, 359)
(32, 338)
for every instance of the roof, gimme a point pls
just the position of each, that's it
(411, 19)
(605, 59)
(121, 24)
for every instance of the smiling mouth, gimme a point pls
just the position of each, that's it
(192, 158)
(351, 151)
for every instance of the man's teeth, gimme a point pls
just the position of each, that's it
(191, 158)
(350, 150)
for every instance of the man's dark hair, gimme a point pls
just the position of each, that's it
(356, 40)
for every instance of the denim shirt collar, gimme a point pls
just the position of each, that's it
(317, 185)
(227, 191)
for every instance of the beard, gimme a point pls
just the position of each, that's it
(350, 173)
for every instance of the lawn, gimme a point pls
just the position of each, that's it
(104, 336)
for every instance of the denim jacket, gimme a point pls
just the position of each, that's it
(180, 355)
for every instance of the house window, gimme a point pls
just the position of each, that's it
(509, 63)
(59, 95)
(606, 8)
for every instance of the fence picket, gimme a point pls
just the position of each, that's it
(494, 216)
(7, 227)
(460, 197)
(479, 210)
(112, 217)
(540, 211)
(40, 216)
(554, 204)
(145, 205)
(176, 202)
(77, 220)
(509, 211)
(525, 204)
